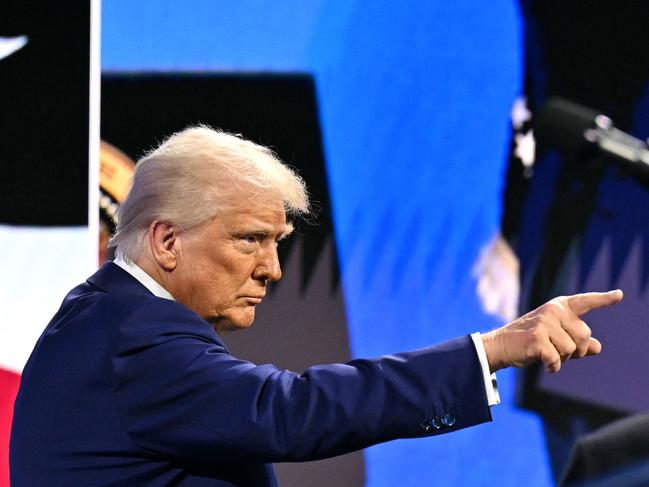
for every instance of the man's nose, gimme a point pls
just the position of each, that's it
(269, 268)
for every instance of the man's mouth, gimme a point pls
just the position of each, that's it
(253, 299)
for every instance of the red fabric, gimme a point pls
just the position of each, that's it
(9, 382)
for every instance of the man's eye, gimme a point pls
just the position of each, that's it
(250, 238)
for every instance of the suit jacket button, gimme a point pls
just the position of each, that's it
(448, 420)
(437, 423)
(427, 426)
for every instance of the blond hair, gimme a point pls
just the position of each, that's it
(195, 174)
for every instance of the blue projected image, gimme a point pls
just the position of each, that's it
(414, 103)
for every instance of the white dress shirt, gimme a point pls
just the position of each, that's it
(145, 279)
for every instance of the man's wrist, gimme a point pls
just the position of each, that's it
(492, 348)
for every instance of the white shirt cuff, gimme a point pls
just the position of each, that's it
(490, 382)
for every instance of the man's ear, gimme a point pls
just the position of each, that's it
(164, 244)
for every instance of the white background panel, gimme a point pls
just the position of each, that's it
(39, 266)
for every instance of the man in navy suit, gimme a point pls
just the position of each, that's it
(131, 384)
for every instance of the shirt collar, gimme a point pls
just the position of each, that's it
(145, 279)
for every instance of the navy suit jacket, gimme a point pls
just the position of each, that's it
(125, 388)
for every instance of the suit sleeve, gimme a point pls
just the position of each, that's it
(181, 394)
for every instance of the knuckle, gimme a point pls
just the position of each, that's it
(569, 351)
(549, 355)
(536, 335)
(547, 323)
(554, 307)
(561, 299)
(582, 334)
(548, 307)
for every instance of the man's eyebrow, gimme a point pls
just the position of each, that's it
(265, 232)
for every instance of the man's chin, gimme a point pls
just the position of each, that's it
(226, 324)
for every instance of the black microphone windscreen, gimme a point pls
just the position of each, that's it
(561, 124)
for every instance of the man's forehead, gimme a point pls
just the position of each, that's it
(257, 217)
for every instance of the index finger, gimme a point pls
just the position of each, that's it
(585, 302)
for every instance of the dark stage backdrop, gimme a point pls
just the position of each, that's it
(303, 321)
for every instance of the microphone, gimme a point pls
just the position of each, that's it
(582, 131)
